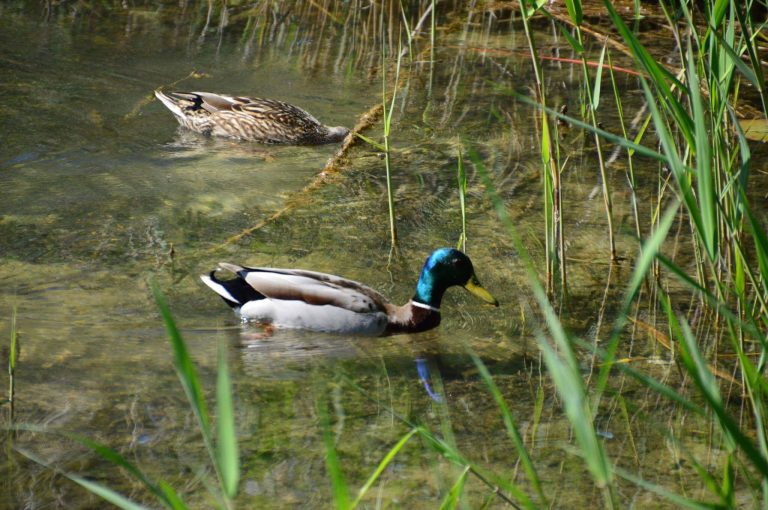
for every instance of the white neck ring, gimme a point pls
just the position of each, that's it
(425, 306)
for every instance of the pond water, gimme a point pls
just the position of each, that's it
(100, 191)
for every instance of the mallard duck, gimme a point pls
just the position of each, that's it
(253, 119)
(294, 298)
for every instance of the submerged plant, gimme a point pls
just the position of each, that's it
(223, 452)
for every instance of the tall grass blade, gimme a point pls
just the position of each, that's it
(678, 500)
(12, 363)
(105, 493)
(574, 11)
(454, 456)
(172, 496)
(191, 384)
(561, 364)
(108, 454)
(745, 24)
(598, 80)
(705, 179)
(185, 368)
(452, 499)
(650, 250)
(564, 371)
(512, 429)
(704, 380)
(338, 484)
(382, 466)
(658, 74)
(638, 149)
(673, 160)
(697, 368)
(462, 178)
(226, 448)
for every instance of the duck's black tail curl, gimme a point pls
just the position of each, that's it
(235, 292)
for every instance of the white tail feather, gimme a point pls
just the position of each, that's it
(218, 289)
(168, 102)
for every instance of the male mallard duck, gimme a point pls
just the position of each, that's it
(254, 119)
(294, 298)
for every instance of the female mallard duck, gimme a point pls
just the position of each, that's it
(294, 298)
(253, 119)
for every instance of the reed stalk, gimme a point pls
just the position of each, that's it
(553, 221)
(388, 114)
(12, 359)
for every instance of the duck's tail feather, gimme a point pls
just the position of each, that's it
(170, 103)
(235, 292)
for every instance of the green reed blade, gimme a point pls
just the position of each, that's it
(760, 240)
(745, 24)
(462, 181)
(388, 458)
(704, 178)
(641, 150)
(12, 362)
(172, 496)
(226, 448)
(185, 369)
(705, 382)
(338, 484)
(718, 12)
(574, 11)
(598, 80)
(679, 170)
(651, 248)
(187, 373)
(564, 371)
(452, 499)
(713, 301)
(678, 500)
(658, 74)
(103, 492)
(735, 60)
(576, 45)
(453, 455)
(107, 453)
(371, 142)
(562, 365)
(512, 430)
(14, 339)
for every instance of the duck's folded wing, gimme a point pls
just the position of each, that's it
(277, 110)
(314, 288)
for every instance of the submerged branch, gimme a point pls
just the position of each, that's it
(332, 167)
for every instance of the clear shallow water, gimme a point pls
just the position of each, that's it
(98, 186)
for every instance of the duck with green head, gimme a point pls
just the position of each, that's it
(295, 298)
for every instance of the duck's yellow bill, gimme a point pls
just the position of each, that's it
(478, 290)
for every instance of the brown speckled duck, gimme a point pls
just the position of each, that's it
(294, 298)
(253, 119)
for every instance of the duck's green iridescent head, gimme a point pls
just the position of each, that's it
(445, 268)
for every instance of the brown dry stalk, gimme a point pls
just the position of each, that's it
(332, 168)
